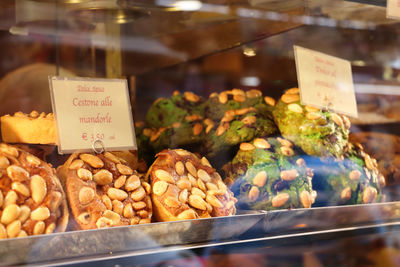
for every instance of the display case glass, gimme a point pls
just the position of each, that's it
(231, 165)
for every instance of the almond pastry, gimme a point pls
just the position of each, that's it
(104, 190)
(33, 128)
(186, 187)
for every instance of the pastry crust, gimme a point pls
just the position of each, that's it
(33, 128)
(32, 200)
(185, 187)
(103, 190)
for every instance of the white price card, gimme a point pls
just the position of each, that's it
(393, 9)
(325, 81)
(92, 112)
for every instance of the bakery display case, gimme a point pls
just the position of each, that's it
(230, 165)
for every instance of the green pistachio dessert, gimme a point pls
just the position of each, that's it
(237, 126)
(351, 179)
(269, 174)
(317, 132)
(219, 103)
(166, 111)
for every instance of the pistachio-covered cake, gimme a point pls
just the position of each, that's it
(268, 174)
(317, 132)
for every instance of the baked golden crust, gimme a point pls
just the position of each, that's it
(33, 128)
(186, 187)
(104, 191)
(32, 200)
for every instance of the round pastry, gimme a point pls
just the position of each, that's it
(317, 132)
(269, 174)
(237, 126)
(219, 103)
(32, 200)
(164, 112)
(186, 187)
(352, 179)
(104, 191)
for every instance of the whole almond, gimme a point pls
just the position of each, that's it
(369, 195)
(269, 101)
(295, 108)
(254, 193)
(337, 119)
(305, 199)
(102, 177)
(160, 187)
(260, 179)
(197, 129)
(313, 115)
(300, 162)
(197, 202)
(92, 160)
(214, 201)
(164, 176)
(222, 128)
(354, 175)
(284, 142)
(253, 93)
(289, 175)
(223, 98)
(247, 146)
(290, 98)
(239, 98)
(191, 169)
(203, 175)
(293, 91)
(345, 194)
(188, 214)
(261, 143)
(179, 168)
(280, 200)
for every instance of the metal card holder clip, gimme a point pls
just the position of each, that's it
(98, 146)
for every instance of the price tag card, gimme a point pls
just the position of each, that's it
(92, 111)
(325, 81)
(393, 9)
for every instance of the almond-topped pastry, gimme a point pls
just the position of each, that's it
(104, 191)
(33, 128)
(186, 187)
(32, 200)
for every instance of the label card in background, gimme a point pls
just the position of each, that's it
(325, 81)
(393, 9)
(87, 110)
